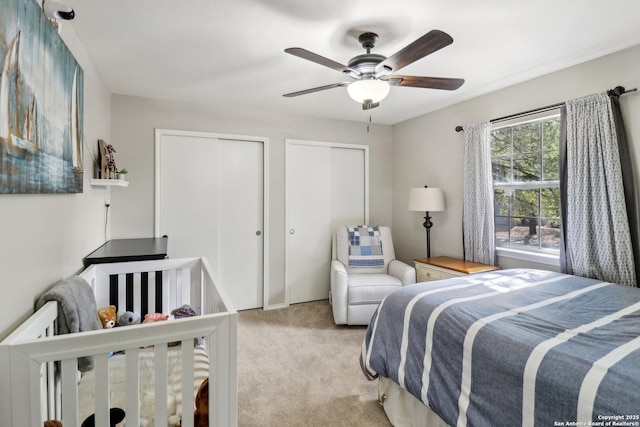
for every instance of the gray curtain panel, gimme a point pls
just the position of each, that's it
(629, 182)
(596, 233)
(478, 225)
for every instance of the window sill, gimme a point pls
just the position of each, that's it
(539, 257)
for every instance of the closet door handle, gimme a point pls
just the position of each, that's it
(258, 233)
(292, 231)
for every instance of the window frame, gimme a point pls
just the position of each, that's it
(531, 254)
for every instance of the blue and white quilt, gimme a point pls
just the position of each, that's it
(512, 348)
(365, 246)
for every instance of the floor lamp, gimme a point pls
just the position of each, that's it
(426, 200)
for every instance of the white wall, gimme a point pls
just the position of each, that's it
(133, 123)
(45, 236)
(427, 150)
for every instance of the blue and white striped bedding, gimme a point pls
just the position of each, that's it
(512, 347)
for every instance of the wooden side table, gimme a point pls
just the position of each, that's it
(444, 267)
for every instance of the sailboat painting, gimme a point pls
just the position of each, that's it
(41, 105)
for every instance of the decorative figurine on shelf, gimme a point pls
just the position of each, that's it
(111, 163)
(108, 168)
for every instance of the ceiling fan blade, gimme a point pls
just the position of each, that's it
(315, 89)
(433, 41)
(426, 82)
(318, 59)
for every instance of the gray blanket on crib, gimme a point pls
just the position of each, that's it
(77, 310)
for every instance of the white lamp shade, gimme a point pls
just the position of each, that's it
(426, 199)
(373, 90)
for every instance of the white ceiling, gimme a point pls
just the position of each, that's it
(231, 52)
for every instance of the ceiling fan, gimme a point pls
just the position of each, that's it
(372, 74)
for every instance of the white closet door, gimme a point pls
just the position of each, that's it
(326, 186)
(210, 204)
(240, 228)
(309, 222)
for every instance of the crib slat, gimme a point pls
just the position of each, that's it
(50, 384)
(137, 293)
(70, 392)
(133, 387)
(173, 292)
(216, 380)
(187, 383)
(144, 294)
(101, 369)
(151, 298)
(122, 292)
(160, 377)
(168, 293)
(222, 373)
(102, 292)
(58, 397)
(177, 289)
(185, 296)
(35, 370)
(48, 390)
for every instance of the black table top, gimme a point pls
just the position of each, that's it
(122, 250)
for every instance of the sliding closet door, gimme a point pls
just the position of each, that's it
(210, 203)
(326, 187)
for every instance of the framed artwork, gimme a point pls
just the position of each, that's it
(41, 105)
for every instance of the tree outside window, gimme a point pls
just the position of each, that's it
(525, 165)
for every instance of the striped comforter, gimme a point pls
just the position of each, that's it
(512, 347)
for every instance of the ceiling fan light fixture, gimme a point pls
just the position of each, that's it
(372, 90)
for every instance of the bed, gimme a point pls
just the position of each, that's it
(506, 348)
(161, 363)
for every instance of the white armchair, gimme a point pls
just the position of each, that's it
(356, 292)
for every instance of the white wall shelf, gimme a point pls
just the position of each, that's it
(110, 182)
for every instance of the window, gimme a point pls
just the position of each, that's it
(525, 164)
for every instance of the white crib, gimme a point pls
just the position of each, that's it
(34, 389)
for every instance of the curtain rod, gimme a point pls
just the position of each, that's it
(617, 91)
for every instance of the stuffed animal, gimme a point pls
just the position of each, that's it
(128, 318)
(108, 316)
(183, 311)
(116, 416)
(201, 414)
(154, 317)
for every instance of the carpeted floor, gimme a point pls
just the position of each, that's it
(297, 368)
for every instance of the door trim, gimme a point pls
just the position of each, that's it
(159, 133)
(291, 141)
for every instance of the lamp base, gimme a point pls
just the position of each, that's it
(427, 225)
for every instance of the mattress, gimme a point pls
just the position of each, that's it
(403, 409)
(514, 347)
(117, 384)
